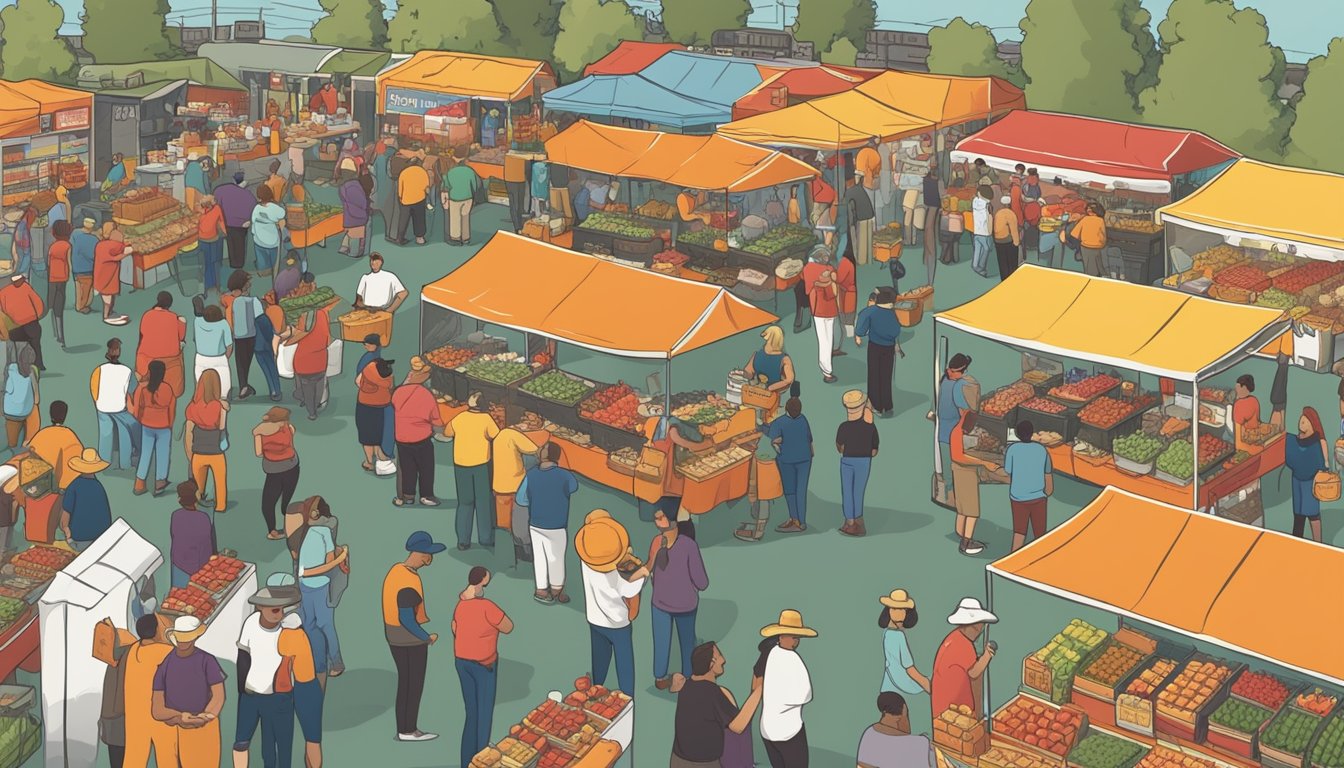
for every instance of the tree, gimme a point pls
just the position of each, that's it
(962, 48)
(841, 53)
(1220, 75)
(589, 29)
(1320, 112)
(460, 25)
(1084, 58)
(1140, 25)
(125, 31)
(822, 22)
(352, 24)
(694, 22)
(527, 28)
(32, 45)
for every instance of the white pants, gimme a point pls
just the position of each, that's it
(219, 363)
(825, 339)
(548, 557)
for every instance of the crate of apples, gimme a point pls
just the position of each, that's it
(1085, 390)
(555, 757)
(41, 562)
(1105, 412)
(1001, 402)
(556, 720)
(1261, 688)
(616, 406)
(1049, 729)
(218, 574)
(189, 600)
(1161, 757)
(1041, 405)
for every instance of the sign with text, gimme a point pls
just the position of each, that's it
(406, 101)
(72, 119)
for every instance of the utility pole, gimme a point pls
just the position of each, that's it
(214, 18)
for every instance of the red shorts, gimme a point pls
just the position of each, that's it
(1028, 512)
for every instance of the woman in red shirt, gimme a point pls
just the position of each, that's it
(207, 437)
(273, 441)
(107, 256)
(58, 276)
(155, 409)
(310, 362)
(210, 236)
(373, 408)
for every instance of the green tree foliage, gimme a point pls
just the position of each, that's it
(1315, 137)
(32, 46)
(527, 28)
(1220, 75)
(459, 25)
(822, 22)
(841, 53)
(125, 31)
(693, 22)
(962, 48)
(352, 24)
(589, 29)
(1140, 24)
(1084, 57)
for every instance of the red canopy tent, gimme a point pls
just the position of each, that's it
(800, 84)
(629, 57)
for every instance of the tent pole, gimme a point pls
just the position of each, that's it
(989, 606)
(1194, 439)
(667, 388)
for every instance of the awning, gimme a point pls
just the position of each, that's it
(698, 162)
(267, 56)
(149, 91)
(465, 74)
(23, 102)
(1236, 586)
(633, 98)
(1085, 149)
(354, 63)
(1261, 200)
(629, 57)
(1136, 327)
(198, 71)
(799, 85)
(593, 303)
(889, 106)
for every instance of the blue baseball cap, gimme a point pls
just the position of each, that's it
(422, 542)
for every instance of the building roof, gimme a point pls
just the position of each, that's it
(198, 71)
(267, 56)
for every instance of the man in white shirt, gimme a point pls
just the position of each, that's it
(379, 289)
(609, 597)
(274, 656)
(111, 386)
(982, 216)
(786, 687)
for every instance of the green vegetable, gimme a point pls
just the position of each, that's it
(704, 237)
(1329, 749)
(1101, 750)
(780, 238)
(318, 211)
(294, 306)
(1178, 460)
(618, 224)
(557, 387)
(1138, 447)
(496, 371)
(1291, 731)
(1276, 299)
(1240, 716)
(711, 414)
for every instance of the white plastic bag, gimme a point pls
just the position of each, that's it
(334, 354)
(284, 361)
(385, 467)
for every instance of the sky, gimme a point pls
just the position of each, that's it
(1303, 28)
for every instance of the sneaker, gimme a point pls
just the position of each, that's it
(544, 598)
(417, 736)
(276, 397)
(429, 502)
(972, 547)
(117, 320)
(246, 392)
(829, 379)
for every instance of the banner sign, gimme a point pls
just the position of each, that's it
(406, 101)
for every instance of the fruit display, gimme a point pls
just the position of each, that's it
(606, 704)
(657, 209)
(319, 211)
(1115, 662)
(1240, 716)
(1003, 757)
(490, 369)
(674, 257)
(1162, 757)
(985, 442)
(711, 410)
(556, 720)
(1275, 298)
(41, 563)
(1213, 395)
(1212, 450)
(1106, 412)
(1291, 731)
(704, 237)
(1317, 702)
(1312, 272)
(1152, 677)
(10, 611)
(1243, 276)
(1263, 689)
(527, 737)
(1329, 749)
(1218, 258)
(1178, 460)
(20, 738)
(190, 600)
(294, 306)
(449, 357)
(508, 752)
(1039, 725)
(1041, 405)
(1101, 750)
(618, 224)
(1132, 223)
(555, 757)
(705, 466)
(218, 574)
(1085, 390)
(780, 238)
(1138, 447)
(1192, 688)
(1065, 651)
(616, 406)
(1001, 402)
(1260, 434)
(558, 387)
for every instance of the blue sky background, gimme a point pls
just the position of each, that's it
(1302, 27)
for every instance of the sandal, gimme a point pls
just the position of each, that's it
(559, 596)
(367, 466)
(275, 535)
(401, 502)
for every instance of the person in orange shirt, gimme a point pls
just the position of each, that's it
(21, 305)
(1246, 409)
(404, 618)
(1090, 232)
(107, 257)
(58, 277)
(210, 234)
(846, 285)
(163, 335)
(57, 444)
(155, 409)
(966, 477)
(477, 624)
(144, 734)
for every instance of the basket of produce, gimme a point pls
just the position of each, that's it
(554, 394)
(1275, 298)
(491, 375)
(1047, 438)
(218, 575)
(657, 209)
(1101, 749)
(1105, 418)
(1118, 659)
(998, 412)
(296, 306)
(1084, 391)
(1049, 415)
(673, 257)
(359, 323)
(1176, 463)
(20, 738)
(1284, 741)
(1213, 451)
(1234, 727)
(888, 242)
(444, 364)
(619, 225)
(622, 461)
(1328, 751)
(1049, 671)
(766, 251)
(1019, 724)
(1260, 434)
(36, 477)
(612, 414)
(308, 214)
(11, 612)
(1135, 453)
(958, 731)
(41, 562)
(1184, 704)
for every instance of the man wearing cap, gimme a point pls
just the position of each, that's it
(163, 336)
(878, 322)
(82, 246)
(477, 624)
(379, 289)
(404, 618)
(609, 597)
(785, 689)
(21, 305)
(958, 668)
(87, 513)
(824, 301)
(189, 695)
(415, 416)
(856, 440)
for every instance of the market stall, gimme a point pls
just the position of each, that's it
(44, 144)
(1126, 385)
(590, 727)
(157, 226)
(1185, 671)
(526, 342)
(1129, 169)
(629, 57)
(1228, 241)
(794, 86)
(704, 208)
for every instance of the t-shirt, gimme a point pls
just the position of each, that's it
(1027, 464)
(545, 492)
(378, 289)
(270, 664)
(192, 535)
(1246, 411)
(375, 390)
(509, 448)
(825, 300)
(162, 332)
(1090, 232)
(413, 185)
(857, 439)
(399, 578)
(795, 438)
(604, 596)
(472, 432)
(265, 220)
(317, 544)
(786, 689)
(157, 409)
(869, 163)
(415, 413)
(951, 682)
(58, 261)
(212, 338)
(186, 680)
(477, 635)
(90, 512)
(882, 750)
(82, 246)
(896, 652)
(461, 182)
(981, 219)
(703, 714)
(111, 383)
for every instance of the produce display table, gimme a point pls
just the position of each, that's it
(145, 262)
(317, 233)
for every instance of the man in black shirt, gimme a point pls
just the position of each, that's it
(856, 440)
(860, 215)
(705, 711)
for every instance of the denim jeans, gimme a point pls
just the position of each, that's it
(793, 476)
(663, 623)
(126, 430)
(319, 622)
(264, 257)
(853, 483)
(212, 256)
(157, 445)
(180, 578)
(275, 713)
(266, 362)
(478, 695)
(620, 643)
(984, 244)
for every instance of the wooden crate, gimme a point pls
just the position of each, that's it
(1127, 637)
(998, 738)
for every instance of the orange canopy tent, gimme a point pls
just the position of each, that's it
(800, 84)
(23, 102)
(530, 286)
(465, 74)
(1196, 574)
(697, 162)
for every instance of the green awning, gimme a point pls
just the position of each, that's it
(198, 71)
(267, 56)
(357, 63)
(146, 91)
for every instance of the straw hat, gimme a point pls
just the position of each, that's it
(969, 611)
(602, 543)
(898, 598)
(185, 629)
(854, 399)
(790, 624)
(88, 462)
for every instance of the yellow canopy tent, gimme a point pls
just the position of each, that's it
(1195, 574)
(465, 74)
(697, 162)
(539, 288)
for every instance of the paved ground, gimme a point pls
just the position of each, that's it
(833, 580)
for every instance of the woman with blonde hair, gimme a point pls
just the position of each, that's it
(207, 437)
(771, 364)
